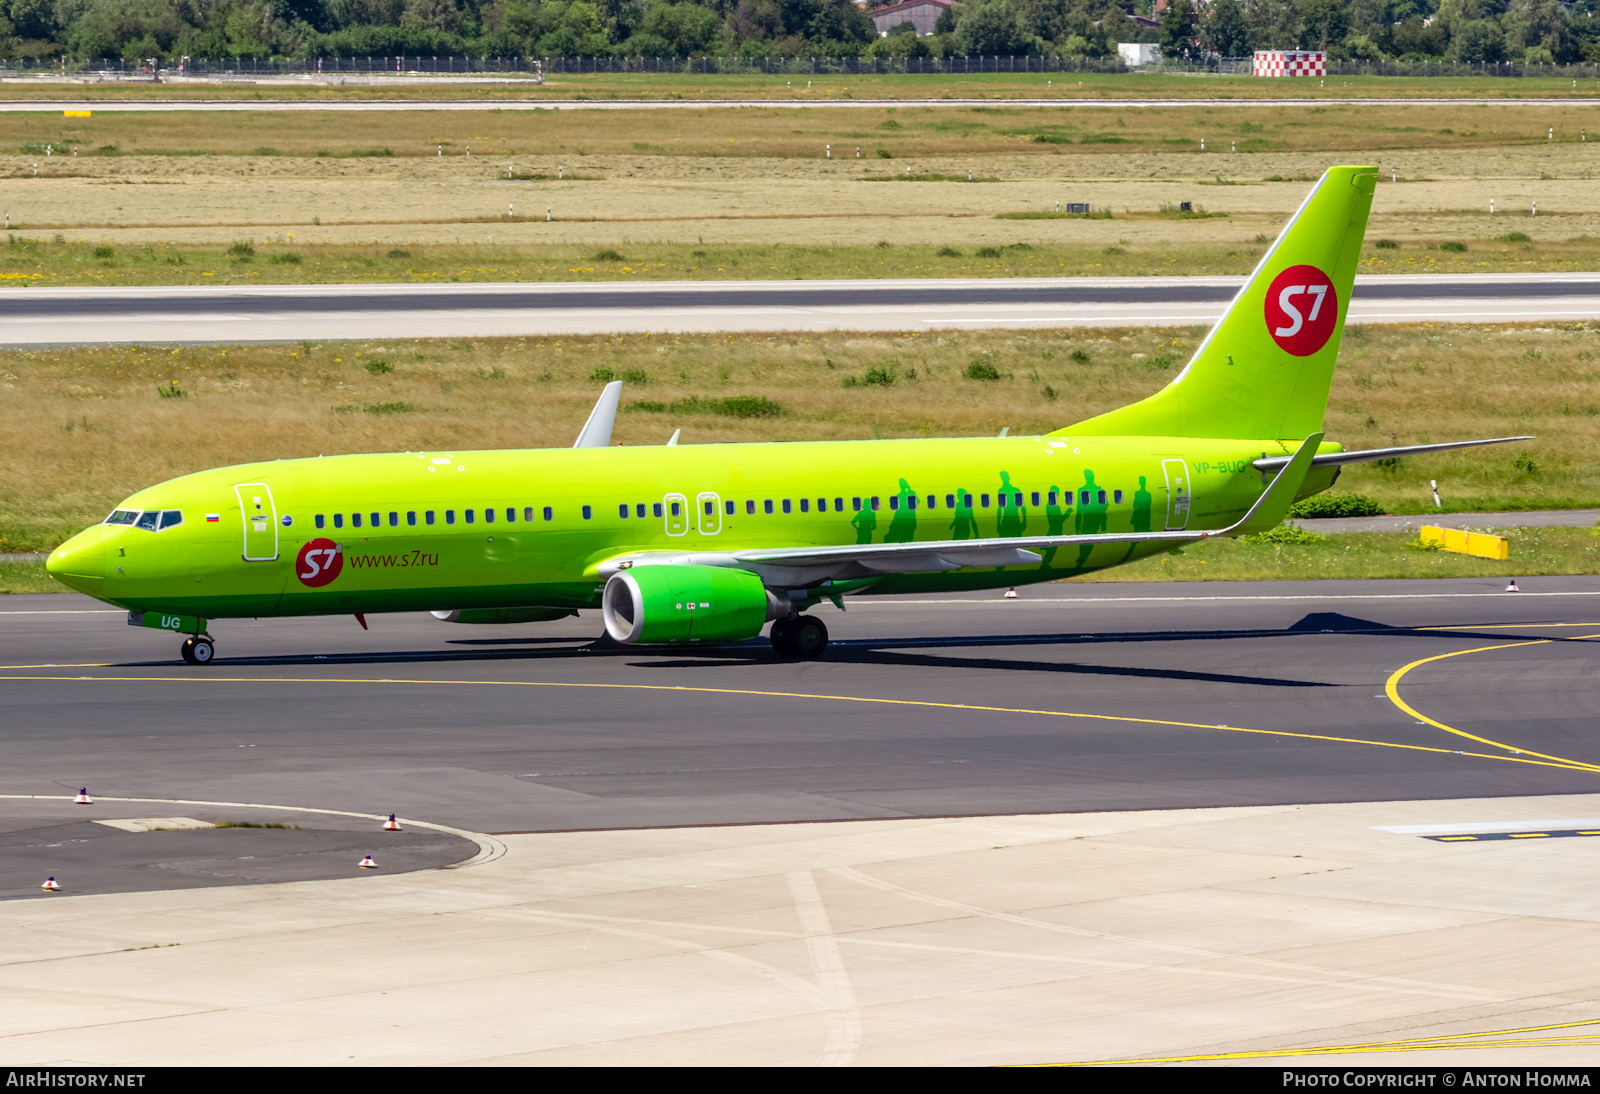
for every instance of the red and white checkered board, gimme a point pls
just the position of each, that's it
(1289, 63)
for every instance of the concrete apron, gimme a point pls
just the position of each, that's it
(1243, 935)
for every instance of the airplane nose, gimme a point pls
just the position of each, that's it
(80, 563)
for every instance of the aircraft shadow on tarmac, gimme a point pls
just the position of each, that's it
(899, 652)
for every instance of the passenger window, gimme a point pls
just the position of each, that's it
(656, 508)
(449, 516)
(488, 516)
(1100, 496)
(338, 520)
(788, 506)
(766, 506)
(805, 505)
(1116, 496)
(727, 507)
(355, 520)
(949, 501)
(677, 508)
(394, 520)
(750, 507)
(171, 518)
(622, 510)
(1083, 497)
(511, 516)
(469, 515)
(911, 501)
(985, 499)
(427, 517)
(1016, 500)
(377, 521)
(1000, 499)
(321, 521)
(1035, 497)
(549, 513)
(123, 516)
(822, 505)
(855, 504)
(874, 504)
(838, 505)
(711, 508)
(411, 518)
(894, 503)
(527, 514)
(933, 501)
(639, 510)
(588, 514)
(1052, 497)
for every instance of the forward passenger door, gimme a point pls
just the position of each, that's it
(260, 517)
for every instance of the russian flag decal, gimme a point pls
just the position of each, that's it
(213, 518)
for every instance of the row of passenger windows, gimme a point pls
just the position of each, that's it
(1012, 500)
(642, 510)
(429, 516)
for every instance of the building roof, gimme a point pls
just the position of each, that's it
(907, 4)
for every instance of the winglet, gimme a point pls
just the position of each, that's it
(597, 430)
(1273, 504)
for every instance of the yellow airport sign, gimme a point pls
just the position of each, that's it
(1466, 543)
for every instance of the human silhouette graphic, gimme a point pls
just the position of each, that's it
(1091, 519)
(1012, 519)
(865, 522)
(1055, 521)
(903, 525)
(965, 525)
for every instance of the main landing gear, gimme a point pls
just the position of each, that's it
(799, 637)
(198, 650)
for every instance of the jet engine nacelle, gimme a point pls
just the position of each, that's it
(678, 604)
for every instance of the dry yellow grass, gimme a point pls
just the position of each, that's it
(86, 427)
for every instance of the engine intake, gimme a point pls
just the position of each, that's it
(679, 604)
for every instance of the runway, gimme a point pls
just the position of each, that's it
(267, 313)
(536, 102)
(1073, 698)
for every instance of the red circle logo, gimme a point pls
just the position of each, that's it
(1302, 310)
(319, 562)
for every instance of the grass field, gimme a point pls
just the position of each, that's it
(825, 88)
(87, 427)
(713, 193)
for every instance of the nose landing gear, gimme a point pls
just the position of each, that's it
(198, 650)
(799, 638)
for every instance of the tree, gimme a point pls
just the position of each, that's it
(1276, 24)
(991, 28)
(1177, 27)
(1478, 40)
(1225, 31)
(1323, 22)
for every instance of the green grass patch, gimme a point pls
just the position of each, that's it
(28, 577)
(733, 406)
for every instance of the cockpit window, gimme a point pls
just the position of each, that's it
(153, 520)
(170, 518)
(123, 516)
(147, 521)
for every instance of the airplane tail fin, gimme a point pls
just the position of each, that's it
(1265, 369)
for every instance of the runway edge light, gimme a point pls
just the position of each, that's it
(83, 797)
(391, 825)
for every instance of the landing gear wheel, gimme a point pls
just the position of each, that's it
(808, 637)
(198, 651)
(780, 638)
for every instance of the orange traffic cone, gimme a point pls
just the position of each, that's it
(51, 886)
(83, 798)
(1512, 588)
(368, 864)
(391, 825)
(1011, 594)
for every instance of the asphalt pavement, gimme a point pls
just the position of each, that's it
(266, 313)
(1075, 697)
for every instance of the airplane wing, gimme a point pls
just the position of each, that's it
(1335, 459)
(803, 565)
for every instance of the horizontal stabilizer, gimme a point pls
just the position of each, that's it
(1339, 459)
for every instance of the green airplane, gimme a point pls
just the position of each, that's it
(709, 543)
